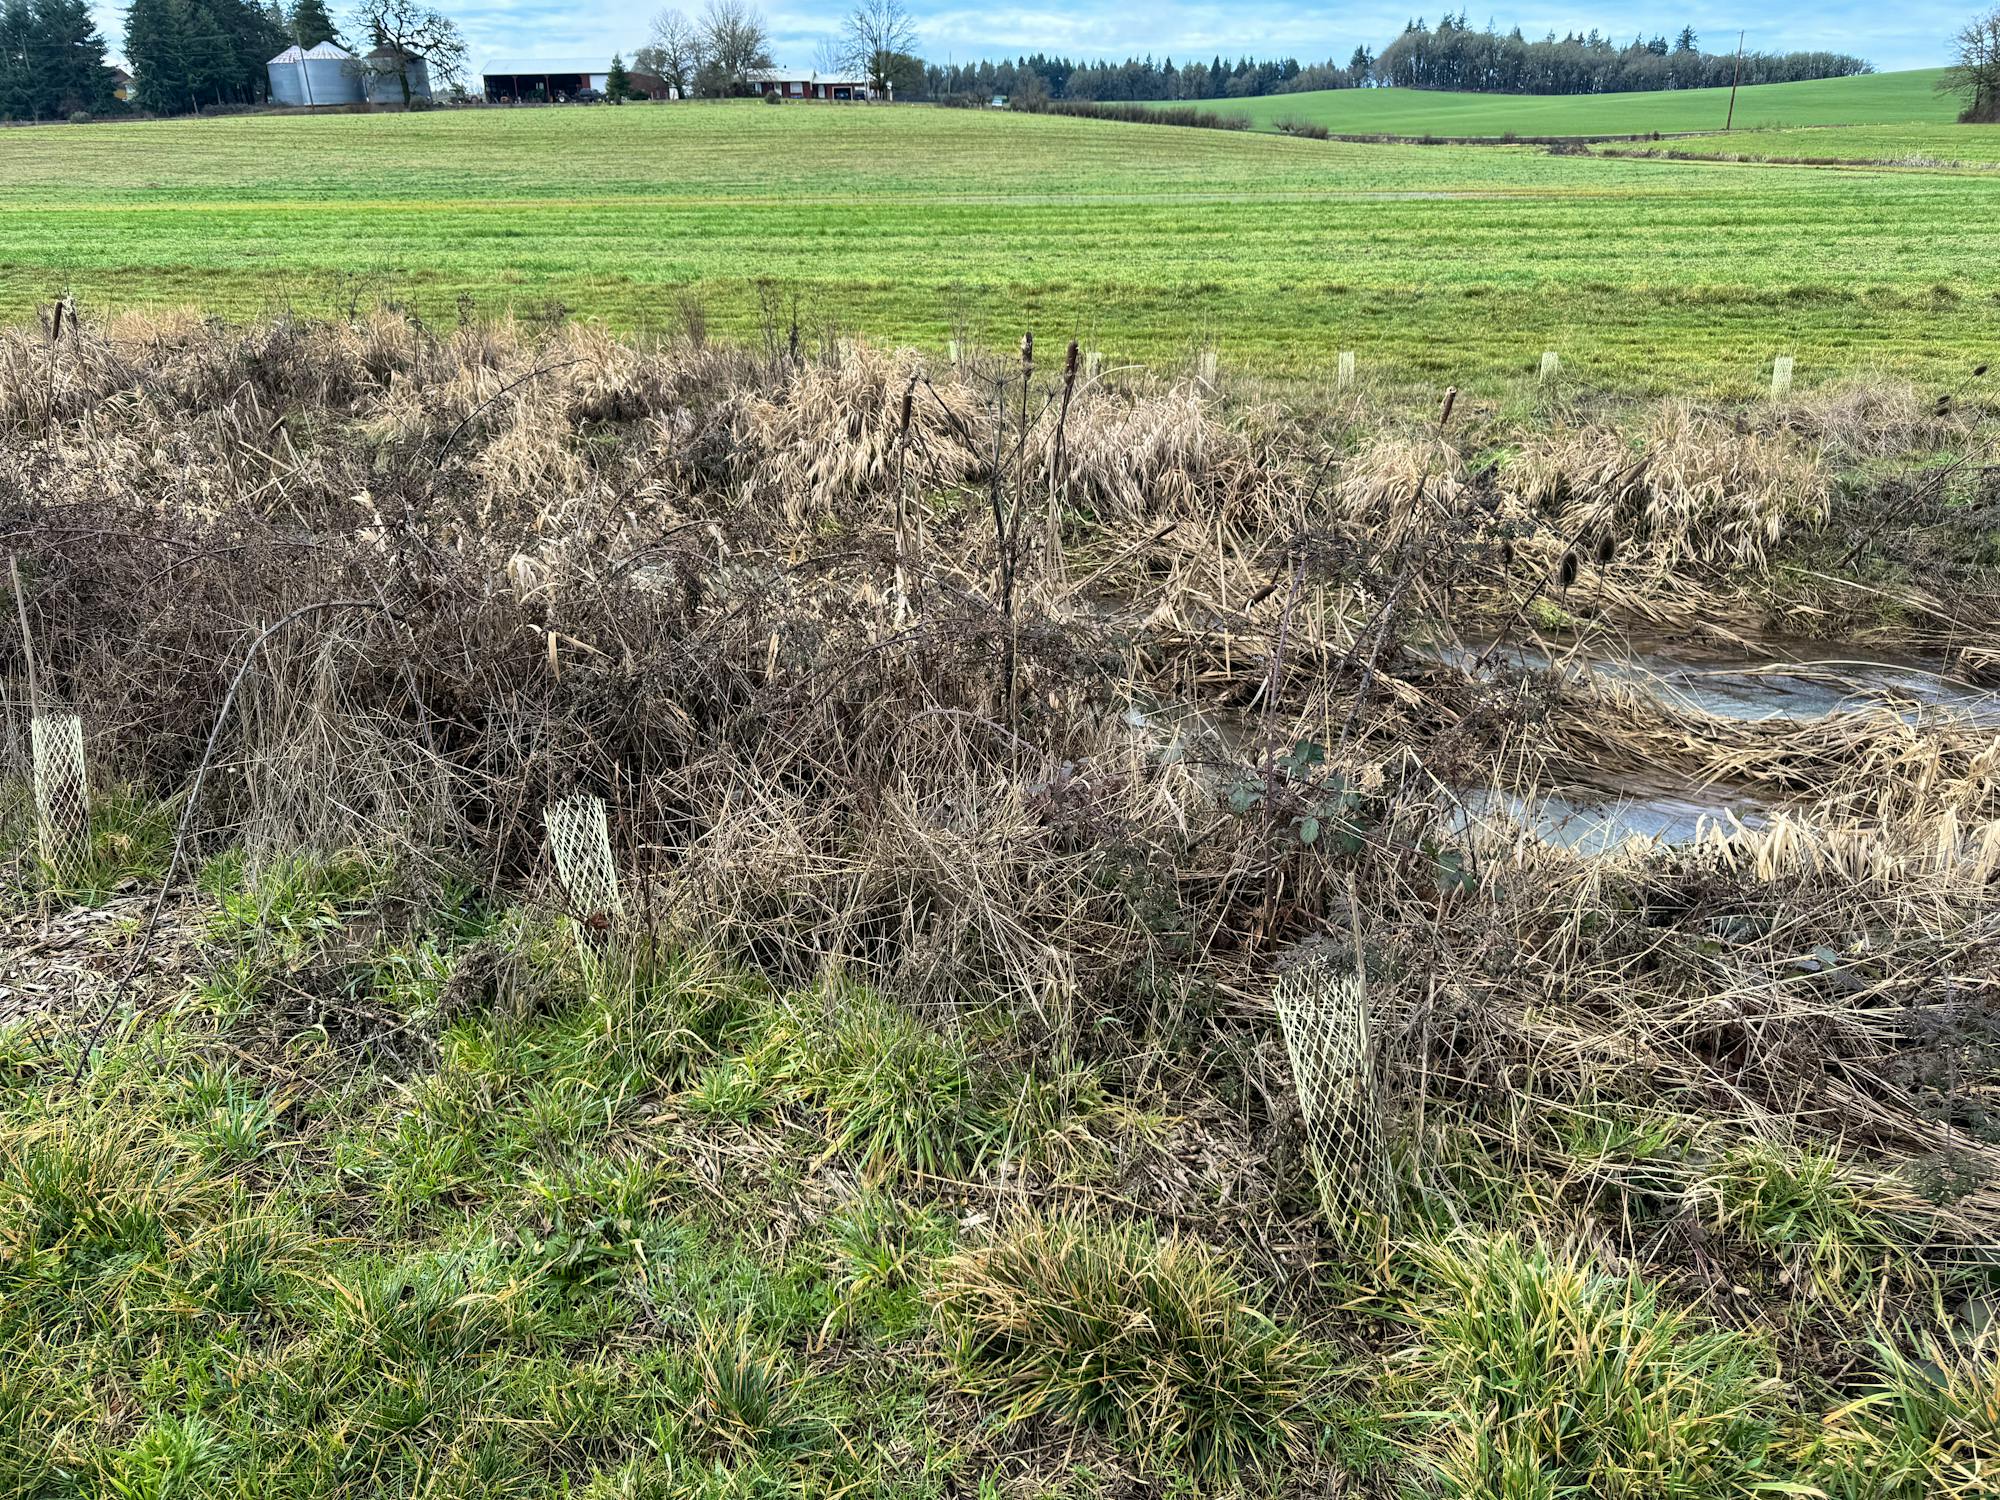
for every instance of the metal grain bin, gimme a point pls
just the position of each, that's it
(326, 74)
(386, 68)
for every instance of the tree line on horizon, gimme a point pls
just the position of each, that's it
(191, 54)
(1452, 55)
(195, 54)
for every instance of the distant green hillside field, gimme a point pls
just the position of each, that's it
(1872, 99)
(1434, 264)
(1885, 145)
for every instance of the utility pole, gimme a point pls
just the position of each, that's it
(1735, 74)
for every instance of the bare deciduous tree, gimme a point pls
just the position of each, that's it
(734, 45)
(412, 29)
(1974, 73)
(877, 33)
(674, 53)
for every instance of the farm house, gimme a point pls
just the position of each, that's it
(808, 84)
(306, 77)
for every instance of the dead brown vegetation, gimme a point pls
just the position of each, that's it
(1090, 702)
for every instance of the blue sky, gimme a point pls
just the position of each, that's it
(1908, 35)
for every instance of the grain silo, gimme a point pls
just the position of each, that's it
(384, 72)
(326, 74)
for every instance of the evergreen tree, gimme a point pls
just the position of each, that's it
(617, 82)
(188, 54)
(213, 67)
(51, 60)
(71, 74)
(156, 48)
(17, 51)
(311, 24)
(257, 38)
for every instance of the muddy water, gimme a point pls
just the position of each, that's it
(1785, 680)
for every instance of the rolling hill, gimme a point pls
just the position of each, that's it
(1872, 99)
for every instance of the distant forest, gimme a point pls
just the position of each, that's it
(1451, 55)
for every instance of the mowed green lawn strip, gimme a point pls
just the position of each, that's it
(1871, 99)
(908, 224)
(1886, 145)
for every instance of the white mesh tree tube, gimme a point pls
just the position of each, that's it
(1324, 1015)
(580, 840)
(62, 793)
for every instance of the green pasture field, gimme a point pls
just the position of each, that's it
(914, 224)
(1883, 145)
(1871, 99)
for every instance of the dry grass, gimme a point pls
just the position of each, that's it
(1152, 1341)
(1073, 710)
(1692, 490)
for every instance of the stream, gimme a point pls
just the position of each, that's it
(1786, 680)
(1789, 680)
(1597, 820)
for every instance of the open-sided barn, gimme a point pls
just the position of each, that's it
(546, 80)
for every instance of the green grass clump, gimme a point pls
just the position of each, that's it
(737, 1382)
(1537, 1376)
(661, 1012)
(286, 907)
(1929, 1430)
(1153, 1341)
(881, 1254)
(131, 838)
(894, 1092)
(1831, 1237)
(172, 1458)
